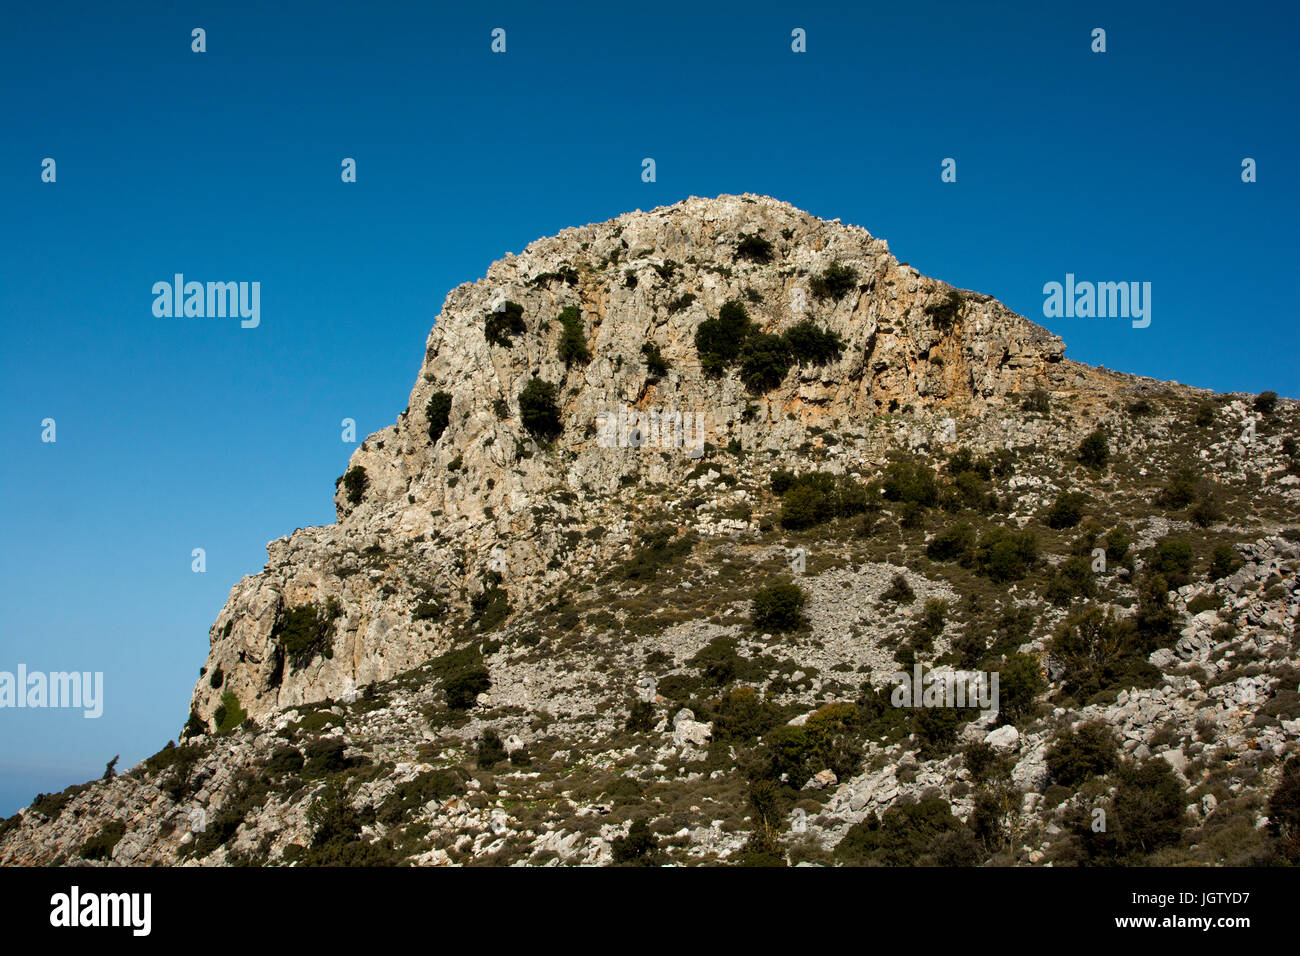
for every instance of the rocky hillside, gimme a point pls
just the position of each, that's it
(674, 498)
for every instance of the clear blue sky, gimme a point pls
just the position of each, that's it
(183, 433)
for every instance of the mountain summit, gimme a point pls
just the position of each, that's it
(716, 534)
(459, 478)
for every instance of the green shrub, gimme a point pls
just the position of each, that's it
(490, 751)
(816, 497)
(217, 678)
(954, 543)
(1005, 555)
(1207, 509)
(898, 592)
(1094, 450)
(911, 482)
(438, 414)
(1097, 652)
(906, 835)
(1180, 489)
(490, 607)
(304, 632)
(681, 303)
(658, 548)
(1118, 540)
(1172, 558)
(1020, 681)
(1141, 408)
(502, 325)
(778, 608)
(1266, 402)
(538, 411)
(1284, 815)
(809, 343)
(655, 363)
(228, 714)
(573, 339)
(754, 248)
(1076, 756)
(1148, 812)
(944, 312)
(462, 689)
(1073, 579)
(641, 717)
(1223, 561)
(284, 760)
(638, 848)
(765, 362)
(835, 282)
(100, 846)
(1066, 510)
(720, 341)
(355, 482)
(1204, 414)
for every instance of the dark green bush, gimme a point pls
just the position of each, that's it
(952, 544)
(538, 411)
(1066, 510)
(355, 482)
(1020, 681)
(906, 835)
(898, 592)
(1037, 400)
(658, 548)
(944, 312)
(638, 848)
(100, 846)
(1098, 652)
(1173, 558)
(809, 343)
(504, 324)
(1006, 555)
(765, 362)
(754, 248)
(778, 608)
(229, 714)
(835, 282)
(655, 363)
(1094, 451)
(1076, 756)
(305, 632)
(1223, 562)
(911, 482)
(720, 341)
(490, 751)
(1266, 402)
(1284, 815)
(463, 676)
(1072, 579)
(490, 607)
(573, 339)
(816, 497)
(1180, 489)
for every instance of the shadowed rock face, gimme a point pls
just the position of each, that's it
(424, 530)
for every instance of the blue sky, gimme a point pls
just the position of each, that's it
(178, 433)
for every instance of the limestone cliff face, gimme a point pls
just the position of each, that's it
(436, 518)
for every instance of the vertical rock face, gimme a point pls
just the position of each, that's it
(426, 527)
